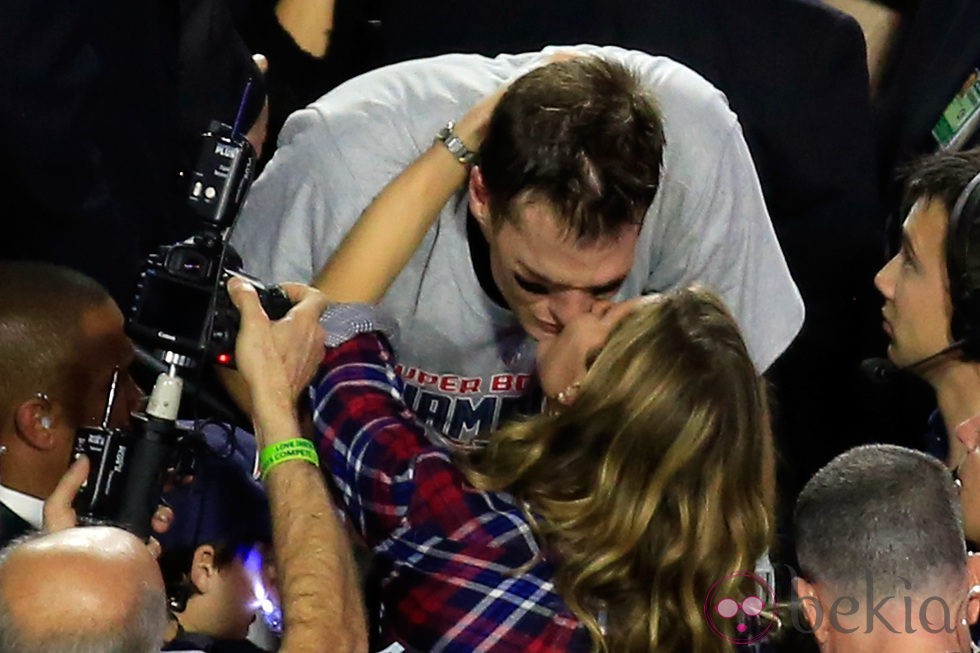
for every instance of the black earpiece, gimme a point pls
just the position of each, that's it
(963, 269)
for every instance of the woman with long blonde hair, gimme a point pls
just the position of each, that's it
(601, 524)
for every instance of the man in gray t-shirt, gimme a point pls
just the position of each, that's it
(569, 205)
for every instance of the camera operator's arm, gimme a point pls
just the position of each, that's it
(319, 583)
(391, 228)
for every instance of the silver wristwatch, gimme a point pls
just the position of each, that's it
(455, 145)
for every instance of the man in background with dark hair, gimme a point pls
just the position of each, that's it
(882, 560)
(931, 304)
(62, 346)
(213, 552)
(567, 206)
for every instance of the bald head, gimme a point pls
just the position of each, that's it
(93, 589)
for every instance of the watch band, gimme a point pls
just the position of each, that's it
(455, 145)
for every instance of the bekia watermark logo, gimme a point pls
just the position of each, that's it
(897, 606)
(735, 602)
(742, 607)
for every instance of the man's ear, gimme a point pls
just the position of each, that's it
(973, 598)
(812, 609)
(203, 568)
(35, 422)
(479, 199)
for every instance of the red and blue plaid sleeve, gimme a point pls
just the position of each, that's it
(366, 435)
(464, 571)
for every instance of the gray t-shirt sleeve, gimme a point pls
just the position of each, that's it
(724, 240)
(285, 220)
(743, 259)
(708, 223)
(327, 169)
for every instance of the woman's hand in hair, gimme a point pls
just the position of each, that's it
(564, 360)
(472, 127)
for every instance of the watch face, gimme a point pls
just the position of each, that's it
(447, 131)
(455, 145)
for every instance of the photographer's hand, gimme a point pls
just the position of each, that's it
(259, 361)
(319, 583)
(278, 359)
(59, 513)
(297, 338)
(298, 335)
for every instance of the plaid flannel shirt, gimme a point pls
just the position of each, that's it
(448, 552)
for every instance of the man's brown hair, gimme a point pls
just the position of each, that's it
(941, 176)
(580, 135)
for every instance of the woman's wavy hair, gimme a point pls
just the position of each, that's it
(656, 483)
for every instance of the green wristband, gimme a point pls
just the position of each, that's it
(280, 452)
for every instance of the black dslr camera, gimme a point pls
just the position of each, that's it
(181, 312)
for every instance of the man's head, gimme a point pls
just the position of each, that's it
(61, 340)
(90, 590)
(221, 522)
(921, 298)
(217, 589)
(881, 521)
(568, 168)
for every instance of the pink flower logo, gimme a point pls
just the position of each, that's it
(720, 608)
